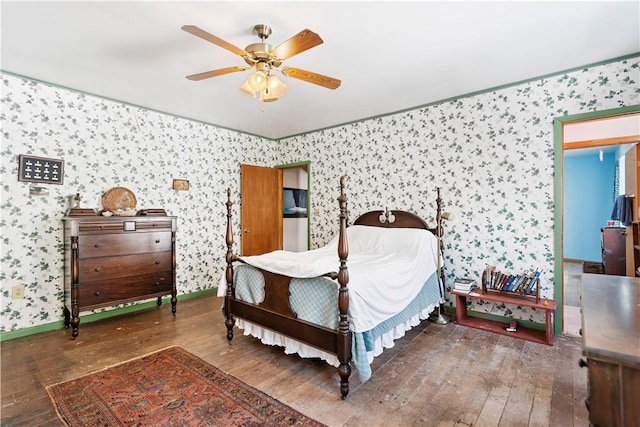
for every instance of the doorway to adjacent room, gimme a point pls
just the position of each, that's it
(606, 131)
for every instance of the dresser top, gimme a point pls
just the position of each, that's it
(114, 218)
(611, 317)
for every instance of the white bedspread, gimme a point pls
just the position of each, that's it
(387, 268)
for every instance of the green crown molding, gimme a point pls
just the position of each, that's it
(20, 76)
(470, 94)
(467, 95)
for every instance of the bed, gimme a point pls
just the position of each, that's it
(312, 303)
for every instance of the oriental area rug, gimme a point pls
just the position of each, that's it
(171, 387)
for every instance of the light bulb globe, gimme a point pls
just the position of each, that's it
(258, 81)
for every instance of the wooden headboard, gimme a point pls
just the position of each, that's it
(403, 219)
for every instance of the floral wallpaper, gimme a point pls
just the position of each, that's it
(105, 144)
(490, 154)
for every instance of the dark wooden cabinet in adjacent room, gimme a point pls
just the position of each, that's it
(634, 252)
(611, 346)
(614, 256)
(116, 260)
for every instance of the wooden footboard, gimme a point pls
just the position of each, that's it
(275, 313)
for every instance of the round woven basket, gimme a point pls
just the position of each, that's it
(119, 198)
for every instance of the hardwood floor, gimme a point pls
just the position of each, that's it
(435, 376)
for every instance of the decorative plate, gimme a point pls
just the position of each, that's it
(119, 198)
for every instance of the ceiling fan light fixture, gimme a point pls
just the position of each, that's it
(258, 81)
(265, 97)
(276, 86)
(246, 88)
(262, 59)
(275, 89)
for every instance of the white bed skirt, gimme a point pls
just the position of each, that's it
(291, 346)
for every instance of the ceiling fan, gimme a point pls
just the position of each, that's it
(264, 59)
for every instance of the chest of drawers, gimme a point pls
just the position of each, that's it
(116, 260)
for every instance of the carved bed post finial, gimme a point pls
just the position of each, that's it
(344, 344)
(230, 321)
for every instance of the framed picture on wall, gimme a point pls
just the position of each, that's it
(40, 169)
(294, 203)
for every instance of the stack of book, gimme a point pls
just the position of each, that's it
(464, 285)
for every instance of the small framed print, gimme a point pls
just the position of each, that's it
(40, 169)
(181, 184)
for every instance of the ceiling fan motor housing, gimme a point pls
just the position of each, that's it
(262, 30)
(261, 52)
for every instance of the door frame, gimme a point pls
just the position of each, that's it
(558, 246)
(307, 165)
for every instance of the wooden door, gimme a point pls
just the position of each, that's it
(260, 209)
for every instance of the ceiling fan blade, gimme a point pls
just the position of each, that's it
(192, 29)
(215, 73)
(310, 77)
(304, 40)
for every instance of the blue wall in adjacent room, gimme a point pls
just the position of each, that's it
(588, 202)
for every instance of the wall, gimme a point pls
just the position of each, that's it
(588, 201)
(106, 144)
(492, 155)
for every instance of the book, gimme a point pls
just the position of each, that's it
(523, 285)
(464, 285)
(498, 279)
(504, 281)
(488, 276)
(534, 281)
(509, 282)
(512, 283)
(518, 284)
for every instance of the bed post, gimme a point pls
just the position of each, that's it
(230, 321)
(344, 335)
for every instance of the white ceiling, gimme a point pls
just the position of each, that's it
(390, 55)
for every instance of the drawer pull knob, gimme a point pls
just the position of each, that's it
(97, 269)
(97, 293)
(157, 283)
(157, 240)
(582, 363)
(157, 262)
(97, 245)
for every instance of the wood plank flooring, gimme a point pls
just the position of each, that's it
(436, 375)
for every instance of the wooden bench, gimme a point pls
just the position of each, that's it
(548, 305)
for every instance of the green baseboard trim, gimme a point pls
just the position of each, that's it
(524, 323)
(92, 317)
